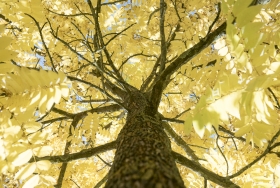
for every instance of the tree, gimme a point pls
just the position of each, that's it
(139, 93)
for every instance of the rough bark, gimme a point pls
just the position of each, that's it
(143, 157)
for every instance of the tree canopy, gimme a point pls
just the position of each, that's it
(210, 70)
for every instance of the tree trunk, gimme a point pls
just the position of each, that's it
(143, 157)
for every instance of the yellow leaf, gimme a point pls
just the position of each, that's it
(36, 95)
(238, 50)
(247, 15)
(5, 41)
(57, 94)
(43, 151)
(231, 103)
(243, 130)
(240, 5)
(49, 179)
(199, 129)
(26, 171)
(218, 110)
(43, 101)
(223, 51)
(2, 27)
(274, 68)
(32, 182)
(64, 89)
(13, 130)
(220, 44)
(43, 165)
(22, 158)
(248, 184)
(50, 98)
(252, 38)
(198, 124)
(31, 127)
(6, 55)
(38, 137)
(227, 58)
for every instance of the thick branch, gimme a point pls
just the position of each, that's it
(185, 57)
(110, 108)
(223, 181)
(75, 156)
(146, 83)
(54, 120)
(162, 35)
(179, 141)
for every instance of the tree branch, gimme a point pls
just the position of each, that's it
(274, 97)
(42, 38)
(217, 143)
(216, 19)
(162, 36)
(103, 180)
(74, 124)
(268, 149)
(223, 181)
(98, 31)
(85, 153)
(185, 57)
(54, 120)
(144, 86)
(119, 33)
(103, 109)
(180, 142)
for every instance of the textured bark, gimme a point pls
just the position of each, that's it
(143, 157)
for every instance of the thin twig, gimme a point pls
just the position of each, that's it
(108, 164)
(150, 17)
(216, 19)
(119, 33)
(103, 46)
(268, 149)
(217, 139)
(42, 38)
(275, 98)
(176, 10)
(75, 182)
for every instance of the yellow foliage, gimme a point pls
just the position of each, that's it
(80, 49)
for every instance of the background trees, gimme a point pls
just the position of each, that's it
(212, 67)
